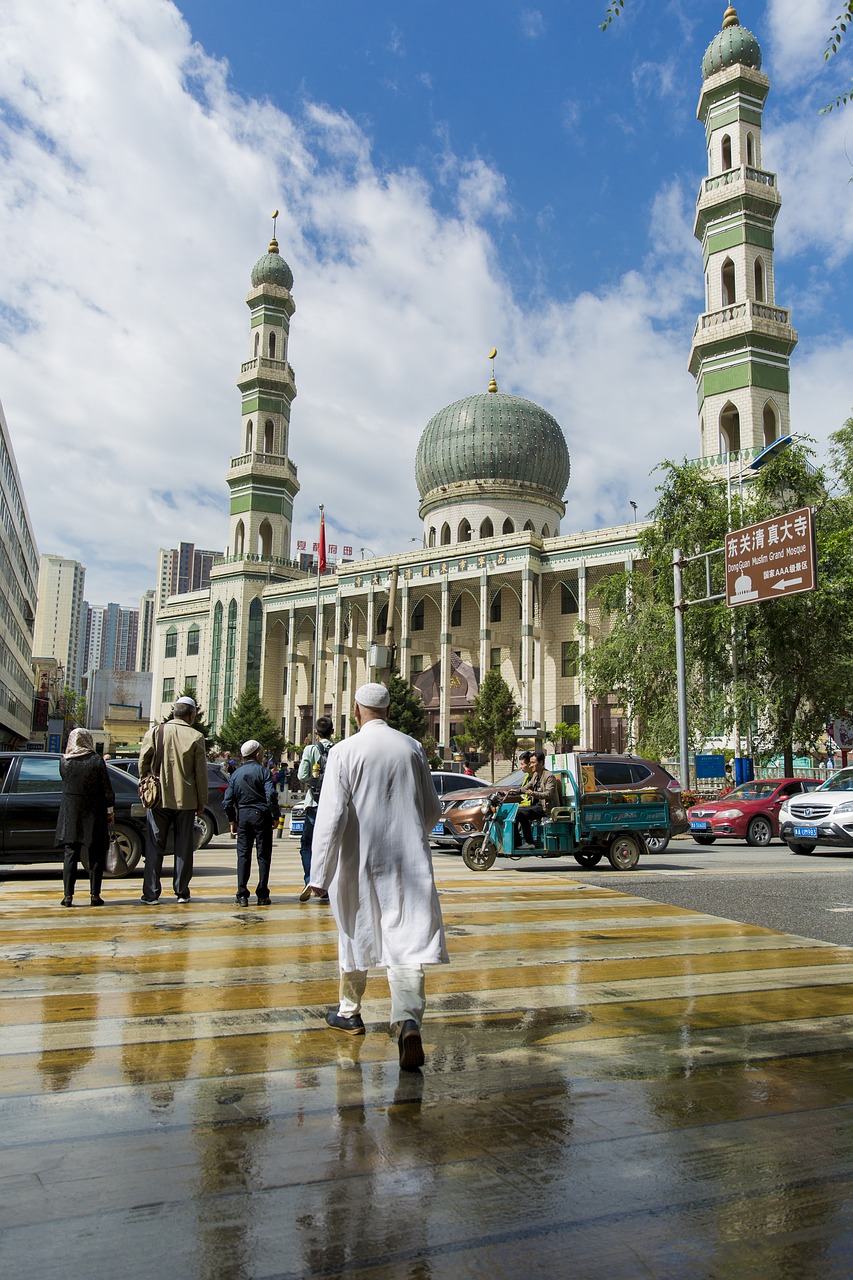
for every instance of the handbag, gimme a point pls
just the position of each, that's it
(116, 864)
(149, 787)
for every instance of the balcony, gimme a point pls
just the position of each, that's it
(744, 314)
(274, 562)
(743, 173)
(274, 461)
(264, 363)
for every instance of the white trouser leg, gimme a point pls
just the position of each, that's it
(407, 995)
(351, 990)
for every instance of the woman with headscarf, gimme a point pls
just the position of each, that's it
(85, 813)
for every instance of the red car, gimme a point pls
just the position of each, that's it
(750, 812)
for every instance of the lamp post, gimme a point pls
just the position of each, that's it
(633, 506)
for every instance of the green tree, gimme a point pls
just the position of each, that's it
(406, 712)
(491, 723)
(199, 723)
(562, 734)
(70, 707)
(793, 674)
(250, 719)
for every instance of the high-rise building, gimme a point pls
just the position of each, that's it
(112, 635)
(147, 613)
(60, 615)
(182, 569)
(19, 570)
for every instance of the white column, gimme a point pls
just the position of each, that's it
(337, 666)
(526, 643)
(585, 716)
(444, 651)
(485, 633)
(290, 700)
(404, 652)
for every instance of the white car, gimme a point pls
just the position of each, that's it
(822, 817)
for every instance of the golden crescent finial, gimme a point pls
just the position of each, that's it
(273, 242)
(493, 386)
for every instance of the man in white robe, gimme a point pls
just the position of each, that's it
(371, 854)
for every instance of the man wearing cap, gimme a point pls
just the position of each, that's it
(251, 803)
(183, 792)
(371, 854)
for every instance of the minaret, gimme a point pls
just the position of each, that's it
(262, 479)
(742, 343)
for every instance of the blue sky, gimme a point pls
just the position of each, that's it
(450, 176)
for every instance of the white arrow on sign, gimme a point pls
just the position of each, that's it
(786, 582)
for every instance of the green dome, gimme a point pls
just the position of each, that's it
(493, 436)
(272, 269)
(733, 45)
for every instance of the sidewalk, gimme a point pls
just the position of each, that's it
(613, 1088)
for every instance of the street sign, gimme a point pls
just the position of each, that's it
(771, 560)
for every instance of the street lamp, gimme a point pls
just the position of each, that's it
(633, 505)
(770, 451)
(372, 554)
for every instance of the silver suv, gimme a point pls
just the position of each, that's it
(824, 816)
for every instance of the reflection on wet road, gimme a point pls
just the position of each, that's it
(613, 1087)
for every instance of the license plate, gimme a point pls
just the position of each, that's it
(699, 826)
(810, 833)
(438, 829)
(296, 828)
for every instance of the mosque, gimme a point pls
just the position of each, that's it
(496, 583)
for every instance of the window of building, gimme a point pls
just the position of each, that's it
(569, 597)
(759, 280)
(445, 535)
(254, 641)
(416, 664)
(230, 651)
(528, 527)
(215, 658)
(257, 344)
(250, 436)
(345, 676)
(192, 641)
(169, 689)
(726, 152)
(771, 424)
(464, 534)
(509, 527)
(191, 684)
(570, 653)
(546, 533)
(265, 538)
(571, 713)
(487, 529)
(269, 436)
(750, 151)
(382, 620)
(272, 346)
(727, 280)
(418, 616)
(495, 609)
(171, 650)
(495, 658)
(239, 538)
(431, 538)
(456, 612)
(729, 429)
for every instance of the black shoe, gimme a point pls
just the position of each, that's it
(242, 899)
(149, 902)
(353, 1026)
(263, 900)
(97, 900)
(67, 902)
(410, 1046)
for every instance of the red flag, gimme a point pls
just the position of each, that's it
(322, 563)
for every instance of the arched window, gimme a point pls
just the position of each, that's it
(509, 527)
(528, 527)
(727, 279)
(431, 538)
(545, 531)
(269, 436)
(445, 535)
(750, 151)
(726, 152)
(192, 641)
(418, 616)
(487, 529)
(239, 538)
(495, 610)
(464, 534)
(382, 621)
(729, 429)
(257, 344)
(271, 346)
(759, 280)
(456, 612)
(171, 650)
(771, 424)
(250, 435)
(265, 538)
(215, 660)
(254, 641)
(230, 651)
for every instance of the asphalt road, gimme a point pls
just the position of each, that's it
(811, 896)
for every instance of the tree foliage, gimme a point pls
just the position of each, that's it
(250, 719)
(491, 722)
(793, 672)
(406, 712)
(199, 723)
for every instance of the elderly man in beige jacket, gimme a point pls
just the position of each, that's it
(183, 792)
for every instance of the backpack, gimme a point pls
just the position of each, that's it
(316, 782)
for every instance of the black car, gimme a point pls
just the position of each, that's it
(30, 792)
(213, 821)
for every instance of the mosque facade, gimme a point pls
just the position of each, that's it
(496, 584)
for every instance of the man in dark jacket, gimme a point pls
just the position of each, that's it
(251, 806)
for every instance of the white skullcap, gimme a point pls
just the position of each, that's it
(250, 748)
(373, 695)
(184, 702)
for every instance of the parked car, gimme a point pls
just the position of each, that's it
(213, 821)
(823, 818)
(30, 792)
(462, 812)
(749, 812)
(446, 784)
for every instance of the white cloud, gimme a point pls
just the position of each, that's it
(135, 189)
(798, 31)
(532, 23)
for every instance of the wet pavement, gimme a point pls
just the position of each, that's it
(614, 1088)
